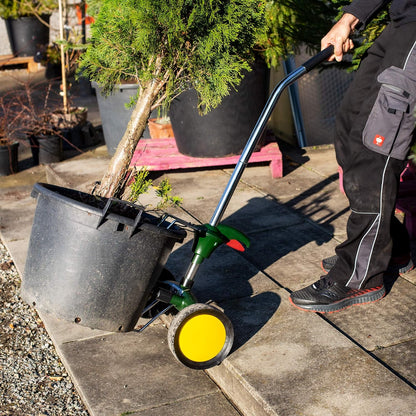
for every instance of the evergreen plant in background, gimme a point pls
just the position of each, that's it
(13, 9)
(292, 23)
(364, 39)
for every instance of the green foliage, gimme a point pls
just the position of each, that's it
(201, 43)
(163, 191)
(141, 186)
(412, 155)
(290, 23)
(364, 39)
(368, 36)
(19, 8)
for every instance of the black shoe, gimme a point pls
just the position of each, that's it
(402, 264)
(325, 296)
(328, 263)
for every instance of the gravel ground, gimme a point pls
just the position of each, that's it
(33, 380)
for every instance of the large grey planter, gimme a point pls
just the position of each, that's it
(114, 114)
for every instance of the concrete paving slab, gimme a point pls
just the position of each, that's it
(293, 273)
(208, 405)
(225, 275)
(284, 361)
(201, 200)
(401, 357)
(309, 193)
(17, 210)
(291, 255)
(63, 332)
(17, 213)
(321, 160)
(411, 276)
(134, 373)
(77, 174)
(388, 322)
(26, 178)
(253, 213)
(298, 365)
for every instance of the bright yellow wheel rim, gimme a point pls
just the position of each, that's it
(202, 337)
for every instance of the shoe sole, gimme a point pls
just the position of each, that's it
(365, 296)
(406, 269)
(326, 271)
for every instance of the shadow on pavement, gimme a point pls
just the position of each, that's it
(276, 229)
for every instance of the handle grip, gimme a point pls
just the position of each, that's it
(318, 58)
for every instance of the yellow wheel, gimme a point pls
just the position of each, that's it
(200, 336)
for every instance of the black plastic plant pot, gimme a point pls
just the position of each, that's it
(46, 149)
(8, 159)
(225, 130)
(93, 260)
(114, 114)
(27, 34)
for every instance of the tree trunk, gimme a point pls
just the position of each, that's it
(113, 180)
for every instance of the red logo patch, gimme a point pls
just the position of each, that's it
(378, 140)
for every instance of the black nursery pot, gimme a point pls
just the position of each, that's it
(46, 149)
(9, 159)
(225, 130)
(92, 260)
(27, 34)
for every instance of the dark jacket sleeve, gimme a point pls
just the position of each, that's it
(364, 10)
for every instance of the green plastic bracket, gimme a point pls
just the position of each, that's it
(234, 234)
(209, 238)
(183, 300)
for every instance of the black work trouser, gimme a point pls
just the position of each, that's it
(374, 131)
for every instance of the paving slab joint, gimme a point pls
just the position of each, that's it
(54, 178)
(238, 391)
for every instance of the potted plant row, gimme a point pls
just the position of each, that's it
(45, 113)
(23, 121)
(27, 23)
(11, 133)
(32, 116)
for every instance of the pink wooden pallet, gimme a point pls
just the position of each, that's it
(162, 154)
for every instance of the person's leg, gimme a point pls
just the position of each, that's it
(401, 260)
(400, 237)
(371, 174)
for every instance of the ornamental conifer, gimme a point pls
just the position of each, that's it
(167, 46)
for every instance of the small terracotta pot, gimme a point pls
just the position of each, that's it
(159, 129)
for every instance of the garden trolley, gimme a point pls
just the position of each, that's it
(200, 335)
